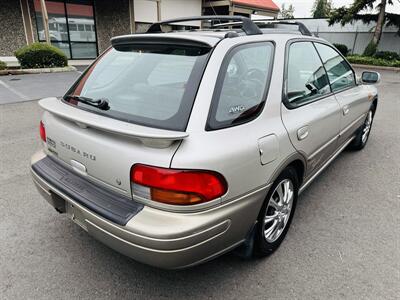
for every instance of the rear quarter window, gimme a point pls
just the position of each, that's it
(242, 85)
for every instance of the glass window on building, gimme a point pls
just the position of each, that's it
(72, 27)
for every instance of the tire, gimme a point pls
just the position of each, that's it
(363, 132)
(273, 212)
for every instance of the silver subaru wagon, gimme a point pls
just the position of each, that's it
(176, 147)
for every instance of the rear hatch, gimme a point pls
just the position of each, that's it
(149, 87)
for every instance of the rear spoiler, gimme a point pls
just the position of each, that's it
(151, 137)
(182, 39)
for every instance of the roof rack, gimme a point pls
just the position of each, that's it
(248, 26)
(301, 27)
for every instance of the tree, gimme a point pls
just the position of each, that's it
(321, 9)
(286, 13)
(344, 15)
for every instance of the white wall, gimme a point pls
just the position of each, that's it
(146, 10)
(357, 42)
(355, 36)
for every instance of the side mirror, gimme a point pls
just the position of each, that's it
(370, 77)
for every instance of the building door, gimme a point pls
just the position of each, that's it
(72, 27)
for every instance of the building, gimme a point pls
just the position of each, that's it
(82, 28)
(241, 7)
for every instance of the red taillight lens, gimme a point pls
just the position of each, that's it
(178, 187)
(42, 132)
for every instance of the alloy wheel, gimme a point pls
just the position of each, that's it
(367, 127)
(278, 210)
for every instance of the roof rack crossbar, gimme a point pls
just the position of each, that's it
(302, 28)
(248, 26)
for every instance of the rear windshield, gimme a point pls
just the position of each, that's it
(151, 85)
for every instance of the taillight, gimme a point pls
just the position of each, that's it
(176, 186)
(42, 131)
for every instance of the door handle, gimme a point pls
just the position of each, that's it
(302, 133)
(346, 110)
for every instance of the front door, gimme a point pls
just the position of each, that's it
(352, 98)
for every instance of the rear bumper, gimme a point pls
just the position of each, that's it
(163, 239)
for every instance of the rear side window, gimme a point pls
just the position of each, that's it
(151, 85)
(242, 85)
(306, 76)
(339, 72)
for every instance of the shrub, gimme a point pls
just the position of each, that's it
(368, 60)
(396, 63)
(371, 49)
(41, 55)
(3, 65)
(389, 55)
(342, 48)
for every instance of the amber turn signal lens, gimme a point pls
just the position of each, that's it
(175, 198)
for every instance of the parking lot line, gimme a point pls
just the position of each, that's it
(14, 91)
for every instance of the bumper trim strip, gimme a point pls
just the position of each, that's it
(108, 204)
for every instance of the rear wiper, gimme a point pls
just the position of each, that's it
(99, 103)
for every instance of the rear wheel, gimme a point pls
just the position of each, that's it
(276, 213)
(362, 136)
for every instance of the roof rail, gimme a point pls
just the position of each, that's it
(248, 26)
(302, 28)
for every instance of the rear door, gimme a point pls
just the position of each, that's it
(352, 98)
(310, 112)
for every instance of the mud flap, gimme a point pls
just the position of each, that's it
(245, 250)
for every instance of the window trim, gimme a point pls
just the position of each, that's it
(212, 124)
(285, 101)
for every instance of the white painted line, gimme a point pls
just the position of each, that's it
(11, 89)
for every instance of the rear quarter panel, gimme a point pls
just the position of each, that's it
(234, 151)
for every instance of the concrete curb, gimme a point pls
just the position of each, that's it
(396, 69)
(37, 71)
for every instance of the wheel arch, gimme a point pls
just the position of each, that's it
(299, 167)
(297, 162)
(375, 104)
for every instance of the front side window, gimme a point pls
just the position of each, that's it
(241, 86)
(339, 72)
(306, 76)
(151, 85)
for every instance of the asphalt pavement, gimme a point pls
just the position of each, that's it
(20, 88)
(344, 242)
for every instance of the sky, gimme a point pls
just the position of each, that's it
(302, 8)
